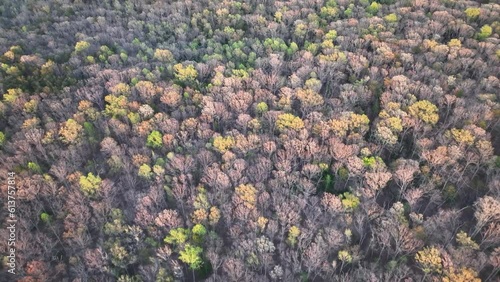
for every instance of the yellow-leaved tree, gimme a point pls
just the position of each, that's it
(223, 144)
(185, 75)
(289, 121)
(70, 131)
(429, 260)
(90, 184)
(424, 111)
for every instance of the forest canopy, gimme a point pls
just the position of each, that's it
(260, 140)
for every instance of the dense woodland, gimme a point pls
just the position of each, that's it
(260, 140)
